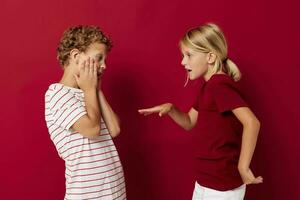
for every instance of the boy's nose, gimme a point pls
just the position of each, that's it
(103, 66)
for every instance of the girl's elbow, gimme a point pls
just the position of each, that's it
(254, 124)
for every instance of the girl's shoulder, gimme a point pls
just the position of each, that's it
(222, 82)
(217, 79)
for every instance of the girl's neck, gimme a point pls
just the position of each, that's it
(208, 76)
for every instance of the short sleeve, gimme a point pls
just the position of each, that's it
(227, 96)
(65, 108)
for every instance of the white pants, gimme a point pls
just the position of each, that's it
(204, 193)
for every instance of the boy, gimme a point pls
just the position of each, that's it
(81, 122)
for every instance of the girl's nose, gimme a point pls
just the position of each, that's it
(183, 62)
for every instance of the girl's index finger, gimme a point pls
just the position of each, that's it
(147, 110)
(142, 111)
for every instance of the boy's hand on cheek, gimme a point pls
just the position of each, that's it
(87, 78)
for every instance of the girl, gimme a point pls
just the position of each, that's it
(228, 129)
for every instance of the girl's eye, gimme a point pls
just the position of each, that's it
(186, 54)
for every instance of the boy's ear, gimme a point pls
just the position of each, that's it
(74, 53)
(211, 57)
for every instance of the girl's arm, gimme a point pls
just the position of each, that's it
(251, 127)
(185, 120)
(110, 118)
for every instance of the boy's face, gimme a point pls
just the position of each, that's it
(96, 51)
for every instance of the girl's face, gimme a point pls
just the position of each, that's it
(96, 51)
(195, 63)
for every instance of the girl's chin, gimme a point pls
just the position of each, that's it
(194, 76)
(191, 77)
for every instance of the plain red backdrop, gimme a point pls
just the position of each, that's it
(144, 70)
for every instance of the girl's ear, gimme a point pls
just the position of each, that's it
(74, 55)
(211, 58)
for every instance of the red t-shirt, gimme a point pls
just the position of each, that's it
(219, 133)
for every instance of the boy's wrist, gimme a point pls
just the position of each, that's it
(89, 90)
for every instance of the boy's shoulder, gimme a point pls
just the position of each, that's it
(53, 89)
(58, 88)
(59, 96)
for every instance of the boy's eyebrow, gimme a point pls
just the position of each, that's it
(99, 55)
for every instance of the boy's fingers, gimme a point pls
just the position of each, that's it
(76, 77)
(90, 66)
(94, 68)
(82, 66)
(88, 62)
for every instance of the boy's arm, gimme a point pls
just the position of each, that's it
(251, 127)
(109, 116)
(89, 125)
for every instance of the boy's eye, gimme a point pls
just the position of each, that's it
(98, 59)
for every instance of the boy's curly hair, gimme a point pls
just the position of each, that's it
(80, 37)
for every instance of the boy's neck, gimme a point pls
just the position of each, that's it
(68, 80)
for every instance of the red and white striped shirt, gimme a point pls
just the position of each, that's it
(93, 167)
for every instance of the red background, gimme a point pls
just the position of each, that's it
(144, 70)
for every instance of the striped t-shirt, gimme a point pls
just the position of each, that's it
(93, 167)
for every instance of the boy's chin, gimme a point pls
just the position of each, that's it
(99, 76)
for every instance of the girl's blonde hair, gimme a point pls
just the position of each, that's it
(210, 38)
